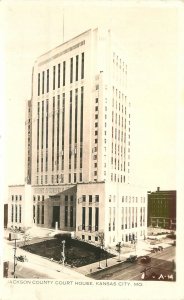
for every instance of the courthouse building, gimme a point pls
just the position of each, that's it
(78, 133)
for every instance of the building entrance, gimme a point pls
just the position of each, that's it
(56, 216)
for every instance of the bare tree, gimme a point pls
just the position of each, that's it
(101, 239)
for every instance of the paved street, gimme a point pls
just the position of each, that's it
(160, 263)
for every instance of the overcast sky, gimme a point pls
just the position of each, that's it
(149, 37)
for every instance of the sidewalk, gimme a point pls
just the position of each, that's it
(142, 248)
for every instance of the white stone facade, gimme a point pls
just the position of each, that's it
(80, 142)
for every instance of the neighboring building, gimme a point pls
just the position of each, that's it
(20, 206)
(5, 215)
(80, 142)
(162, 209)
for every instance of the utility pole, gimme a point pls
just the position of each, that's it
(15, 257)
(63, 252)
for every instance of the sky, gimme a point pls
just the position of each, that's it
(149, 35)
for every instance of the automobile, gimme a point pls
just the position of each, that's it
(132, 258)
(22, 258)
(154, 249)
(145, 259)
(160, 248)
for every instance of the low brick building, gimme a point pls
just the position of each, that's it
(162, 209)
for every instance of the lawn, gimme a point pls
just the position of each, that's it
(77, 253)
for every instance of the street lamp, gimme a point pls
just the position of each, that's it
(15, 257)
(100, 248)
(118, 249)
(63, 252)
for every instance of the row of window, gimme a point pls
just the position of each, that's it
(38, 214)
(16, 213)
(130, 199)
(119, 62)
(44, 77)
(16, 197)
(118, 178)
(55, 143)
(42, 198)
(89, 198)
(57, 179)
(89, 238)
(90, 226)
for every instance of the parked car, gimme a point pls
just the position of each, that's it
(154, 249)
(22, 258)
(145, 259)
(160, 248)
(132, 258)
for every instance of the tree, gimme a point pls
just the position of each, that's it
(101, 239)
(118, 249)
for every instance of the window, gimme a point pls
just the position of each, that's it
(90, 198)
(42, 214)
(38, 84)
(90, 218)
(96, 198)
(82, 66)
(89, 237)
(42, 124)
(20, 197)
(96, 218)
(83, 198)
(47, 120)
(83, 217)
(66, 198)
(64, 72)
(80, 177)
(47, 80)
(53, 131)
(38, 214)
(81, 118)
(70, 120)
(77, 66)
(71, 216)
(59, 71)
(54, 77)
(34, 213)
(58, 127)
(96, 239)
(43, 77)
(75, 177)
(12, 212)
(66, 215)
(71, 70)
(38, 126)
(76, 112)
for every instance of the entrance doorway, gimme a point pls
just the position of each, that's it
(56, 216)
